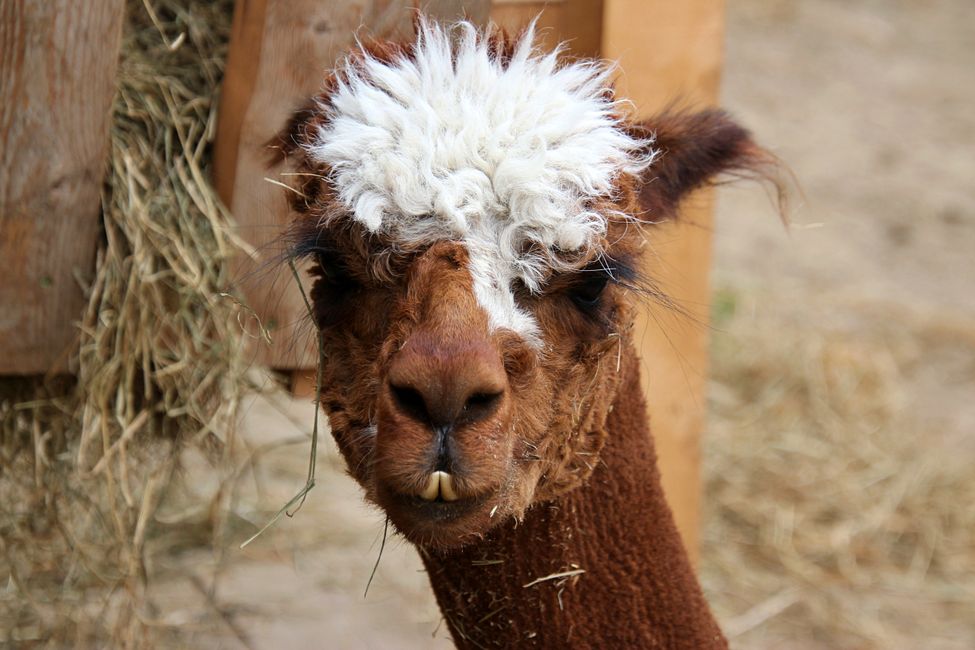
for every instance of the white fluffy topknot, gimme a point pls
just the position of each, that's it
(506, 156)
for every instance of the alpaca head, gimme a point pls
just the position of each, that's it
(474, 212)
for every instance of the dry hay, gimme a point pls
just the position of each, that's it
(835, 518)
(84, 465)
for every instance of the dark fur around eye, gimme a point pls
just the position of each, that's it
(329, 264)
(334, 288)
(586, 291)
(334, 294)
(331, 269)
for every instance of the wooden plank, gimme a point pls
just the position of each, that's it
(667, 51)
(280, 51)
(236, 91)
(578, 23)
(582, 27)
(514, 15)
(450, 10)
(57, 81)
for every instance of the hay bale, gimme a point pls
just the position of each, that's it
(84, 465)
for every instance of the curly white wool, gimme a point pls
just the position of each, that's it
(452, 144)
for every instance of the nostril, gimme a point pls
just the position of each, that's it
(410, 401)
(480, 405)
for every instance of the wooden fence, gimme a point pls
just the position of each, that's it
(57, 81)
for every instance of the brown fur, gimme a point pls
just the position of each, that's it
(549, 449)
(637, 590)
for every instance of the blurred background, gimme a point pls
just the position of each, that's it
(837, 468)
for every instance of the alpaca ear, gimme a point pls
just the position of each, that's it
(295, 133)
(693, 149)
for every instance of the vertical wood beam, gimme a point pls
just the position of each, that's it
(57, 82)
(451, 10)
(673, 51)
(583, 27)
(578, 23)
(515, 15)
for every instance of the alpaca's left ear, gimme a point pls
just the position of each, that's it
(694, 149)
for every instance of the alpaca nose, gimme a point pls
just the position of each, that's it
(446, 386)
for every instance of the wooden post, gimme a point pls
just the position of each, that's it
(673, 51)
(576, 22)
(57, 81)
(451, 10)
(280, 51)
(514, 15)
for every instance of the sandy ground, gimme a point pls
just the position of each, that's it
(302, 584)
(870, 104)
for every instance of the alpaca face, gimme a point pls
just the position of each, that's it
(471, 208)
(450, 424)
(466, 289)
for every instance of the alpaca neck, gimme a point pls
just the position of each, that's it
(625, 579)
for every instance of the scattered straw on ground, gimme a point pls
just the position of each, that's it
(834, 518)
(84, 465)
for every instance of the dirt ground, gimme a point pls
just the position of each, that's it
(870, 104)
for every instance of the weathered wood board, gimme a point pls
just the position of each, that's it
(578, 23)
(57, 81)
(673, 51)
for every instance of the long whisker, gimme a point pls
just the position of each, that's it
(382, 547)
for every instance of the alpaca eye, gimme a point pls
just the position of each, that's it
(335, 290)
(334, 273)
(587, 292)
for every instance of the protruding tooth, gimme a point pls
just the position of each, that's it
(432, 490)
(447, 487)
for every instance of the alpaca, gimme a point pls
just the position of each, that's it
(475, 212)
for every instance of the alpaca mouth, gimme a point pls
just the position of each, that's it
(443, 512)
(437, 521)
(420, 508)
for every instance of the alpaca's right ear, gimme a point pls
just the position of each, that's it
(294, 135)
(288, 146)
(693, 150)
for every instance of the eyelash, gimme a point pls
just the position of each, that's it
(588, 288)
